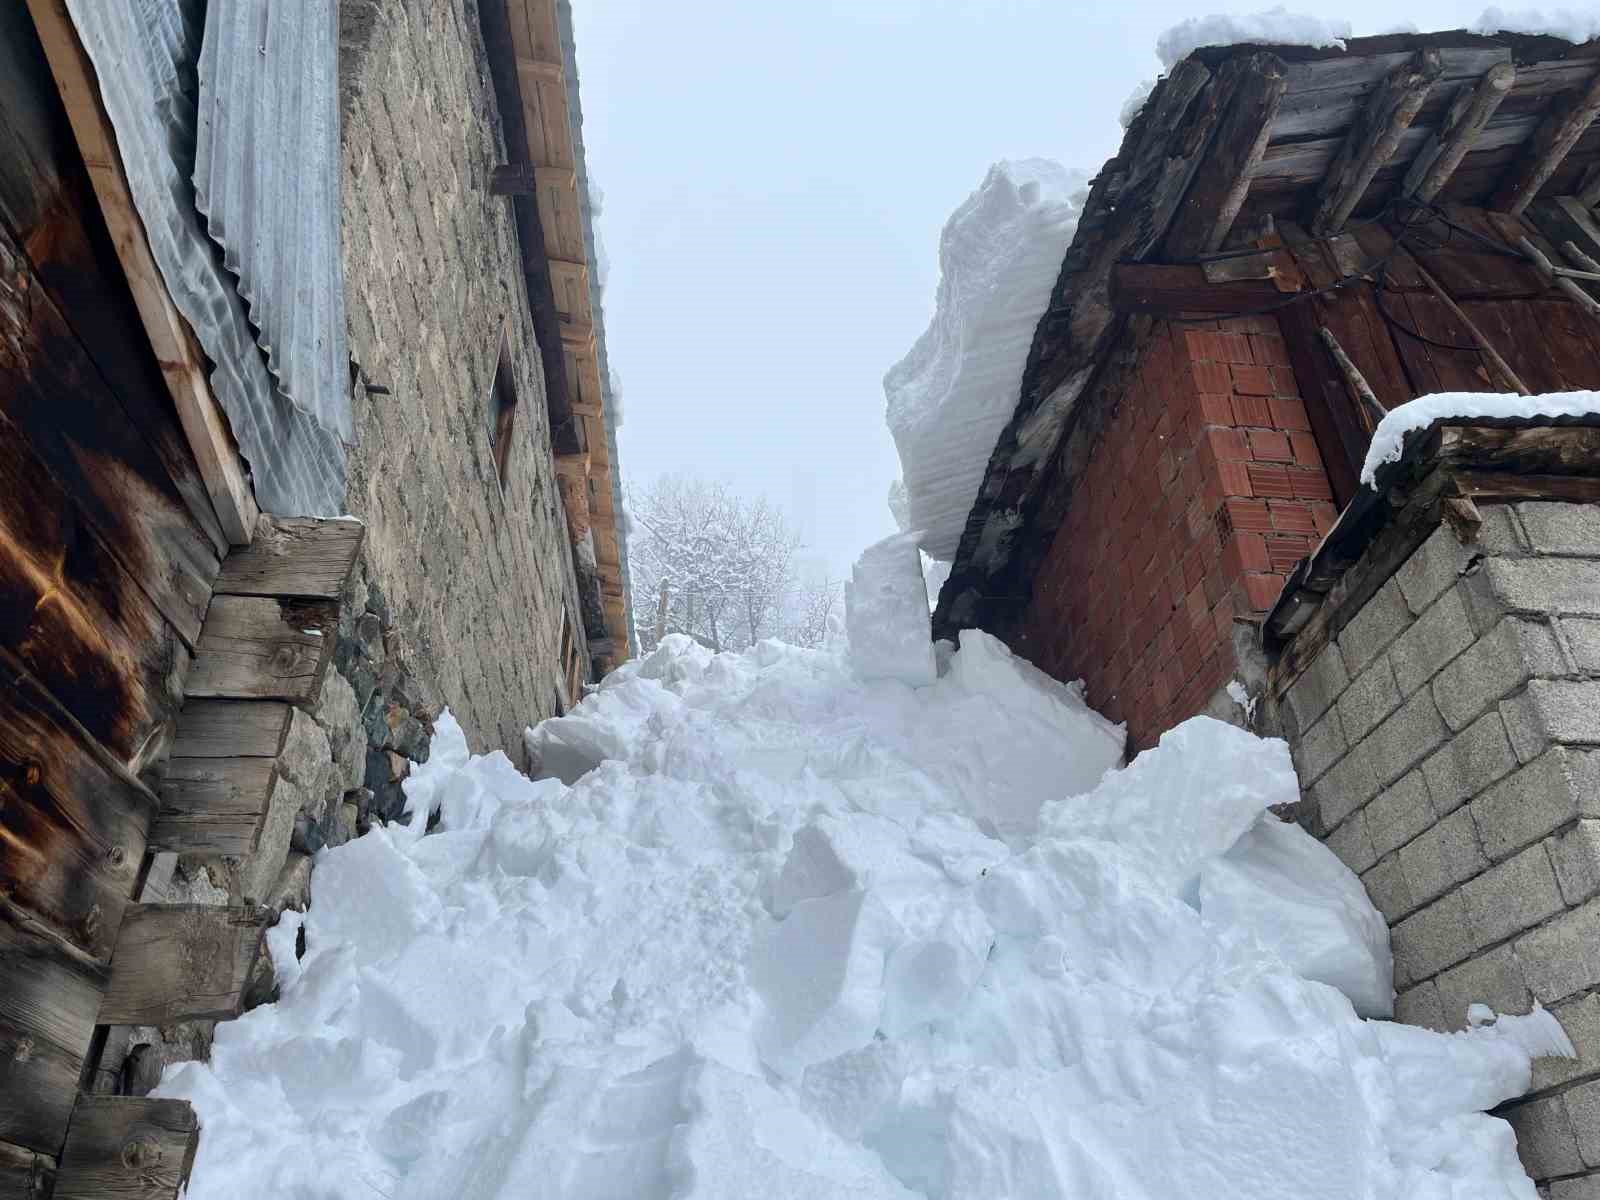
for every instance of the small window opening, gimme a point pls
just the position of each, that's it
(504, 404)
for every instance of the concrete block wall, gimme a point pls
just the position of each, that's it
(1448, 745)
(1204, 490)
(477, 576)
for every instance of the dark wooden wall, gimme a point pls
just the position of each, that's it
(108, 552)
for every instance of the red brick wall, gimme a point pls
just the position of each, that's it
(1204, 490)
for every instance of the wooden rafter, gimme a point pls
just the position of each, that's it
(1373, 139)
(1551, 141)
(1474, 105)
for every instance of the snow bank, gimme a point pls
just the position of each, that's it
(952, 394)
(797, 934)
(1275, 27)
(1574, 24)
(1388, 440)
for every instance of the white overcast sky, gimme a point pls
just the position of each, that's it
(775, 176)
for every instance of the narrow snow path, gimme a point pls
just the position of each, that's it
(796, 933)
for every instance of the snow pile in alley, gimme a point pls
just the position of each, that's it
(1388, 440)
(804, 931)
(950, 397)
(1274, 27)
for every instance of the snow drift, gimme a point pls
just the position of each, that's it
(793, 932)
(950, 397)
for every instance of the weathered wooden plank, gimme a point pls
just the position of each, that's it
(181, 962)
(122, 1148)
(1474, 106)
(73, 821)
(25, 1174)
(1569, 117)
(56, 400)
(182, 365)
(1491, 486)
(213, 805)
(48, 1002)
(231, 729)
(1373, 139)
(259, 648)
(1256, 83)
(46, 201)
(294, 556)
(1163, 289)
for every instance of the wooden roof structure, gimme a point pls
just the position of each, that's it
(1236, 141)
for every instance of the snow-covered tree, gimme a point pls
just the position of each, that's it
(730, 566)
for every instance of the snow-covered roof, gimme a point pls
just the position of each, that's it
(1193, 168)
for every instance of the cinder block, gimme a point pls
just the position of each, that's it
(1575, 855)
(1319, 747)
(1318, 687)
(1432, 567)
(1388, 890)
(1501, 661)
(1580, 1017)
(1583, 1105)
(1545, 1140)
(1583, 641)
(1370, 698)
(1562, 957)
(1443, 857)
(1552, 710)
(1420, 1006)
(1574, 1187)
(1399, 813)
(1493, 978)
(1501, 532)
(1382, 619)
(1346, 786)
(1554, 527)
(1545, 586)
(1534, 800)
(1511, 897)
(1408, 735)
(1424, 650)
(1352, 843)
(1431, 939)
(1469, 762)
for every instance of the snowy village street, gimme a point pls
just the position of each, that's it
(858, 922)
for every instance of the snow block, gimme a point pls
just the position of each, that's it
(886, 614)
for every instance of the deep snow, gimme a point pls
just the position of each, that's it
(804, 931)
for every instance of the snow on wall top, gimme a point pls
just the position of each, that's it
(1575, 25)
(1275, 27)
(1388, 440)
(952, 394)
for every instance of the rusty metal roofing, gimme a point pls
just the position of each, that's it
(266, 178)
(145, 53)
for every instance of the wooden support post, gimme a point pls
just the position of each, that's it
(182, 364)
(1255, 84)
(1485, 346)
(1372, 409)
(261, 648)
(181, 962)
(119, 1147)
(294, 556)
(1574, 254)
(1559, 279)
(1555, 136)
(1449, 144)
(213, 805)
(1373, 139)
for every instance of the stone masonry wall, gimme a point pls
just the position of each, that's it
(476, 577)
(1204, 489)
(1448, 745)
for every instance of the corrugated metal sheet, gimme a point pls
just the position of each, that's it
(144, 53)
(266, 178)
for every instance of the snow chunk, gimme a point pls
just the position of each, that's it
(1574, 24)
(1275, 27)
(1388, 440)
(952, 394)
(886, 613)
(1134, 104)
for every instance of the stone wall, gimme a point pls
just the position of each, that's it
(1448, 742)
(476, 576)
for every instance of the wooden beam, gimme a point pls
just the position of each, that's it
(231, 729)
(294, 556)
(1561, 281)
(182, 364)
(213, 805)
(181, 962)
(25, 1174)
(261, 648)
(121, 1148)
(1560, 130)
(1588, 192)
(1448, 145)
(1370, 406)
(1256, 83)
(1485, 346)
(1373, 139)
(1161, 289)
